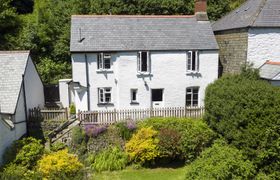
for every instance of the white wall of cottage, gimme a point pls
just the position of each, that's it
(263, 45)
(168, 72)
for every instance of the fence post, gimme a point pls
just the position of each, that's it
(66, 113)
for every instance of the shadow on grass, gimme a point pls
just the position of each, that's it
(167, 163)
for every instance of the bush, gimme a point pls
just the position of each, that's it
(143, 146)
(72, 109)
(245, 111)
(58, 146)
(14, 172)
(95, 130)
(110, 159)
(24, 152)
(195, 135)
(220, 162)
(169, 143)
(126, 129)
(59, 163)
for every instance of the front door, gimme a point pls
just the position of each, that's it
(157, 98)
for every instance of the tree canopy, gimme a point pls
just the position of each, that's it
(43, 26)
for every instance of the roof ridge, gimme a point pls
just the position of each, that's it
(258, 12)
(14, 52)
(134, 16)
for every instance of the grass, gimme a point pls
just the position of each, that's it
(142, 174)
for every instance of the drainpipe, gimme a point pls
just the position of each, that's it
(87, 80)
(25, 104)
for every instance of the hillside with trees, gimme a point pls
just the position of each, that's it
(43, 26)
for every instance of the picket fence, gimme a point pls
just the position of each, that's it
(49, 114)
(112, 116)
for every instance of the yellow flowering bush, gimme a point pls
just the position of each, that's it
(59, 163)
(143, 146)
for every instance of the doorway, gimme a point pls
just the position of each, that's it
(157, 98)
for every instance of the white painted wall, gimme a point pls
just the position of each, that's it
(64, 92)
(7, 135)
(34, 89)
(263, 45)
(168, 71)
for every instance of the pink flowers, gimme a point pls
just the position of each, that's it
(95, 130)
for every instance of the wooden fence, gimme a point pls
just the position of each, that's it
(112, 116)
(48, 114)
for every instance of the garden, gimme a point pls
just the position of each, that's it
(238, 138)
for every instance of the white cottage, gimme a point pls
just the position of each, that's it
(249, 34)
(20, 89)
(124, 62)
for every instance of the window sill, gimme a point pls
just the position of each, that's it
(192, 73)
(104, 71)
(144, 74)
(134, 103)
(105, 104)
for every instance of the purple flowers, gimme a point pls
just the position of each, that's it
(131, 125)
(94, 130)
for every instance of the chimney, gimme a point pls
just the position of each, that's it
(201, 10)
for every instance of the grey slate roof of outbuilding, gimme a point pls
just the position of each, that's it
(12, 67)
(253, 13)
(270, 71)
(129, 33)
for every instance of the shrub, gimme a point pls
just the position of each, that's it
(24, 152)
(126, 129)
(245, 111)
(72, 109)
(60, 162)
(95, 130)
(195, 134)
(58, 146)
(103, 141)
(14, 171)
(169, 143)
(220, 162)
(143, 146)
(110, 159)
(78, 136)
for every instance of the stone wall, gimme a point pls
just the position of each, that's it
(233, 49)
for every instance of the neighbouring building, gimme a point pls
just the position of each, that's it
(270, 71)
(125, 62)
(20, 89)
(249, 35)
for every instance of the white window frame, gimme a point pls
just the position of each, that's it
(192, 96)
(131, 95)
(139, 62)
(102, 95)
(101, 57)
(190, 61)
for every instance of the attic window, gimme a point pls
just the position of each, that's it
(143, 62)
(192, 61)
(104, 61)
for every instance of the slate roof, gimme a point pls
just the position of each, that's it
(129, 33)
(253, 13)
(12, 67)
(270, 70)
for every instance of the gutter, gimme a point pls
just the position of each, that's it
(87, 81)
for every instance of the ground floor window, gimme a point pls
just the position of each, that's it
(104, 95)
(134, 96)
(192, 96)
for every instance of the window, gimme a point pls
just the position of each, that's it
(192, 61)
(105, 95)
(104, 61)
(192, 96)
(143, 61)
(134, 95)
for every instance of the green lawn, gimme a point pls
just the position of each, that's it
(145, 174)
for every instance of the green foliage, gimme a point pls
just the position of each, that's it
(14, 172)
(169, 143)
(58, 146)
(125, 132)
(195, 135)
(220, 162)
(59, 164)
(52, 71)
(143, 146)
(112, 158)
(72, 109)
(24, 152)
(245, 111)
